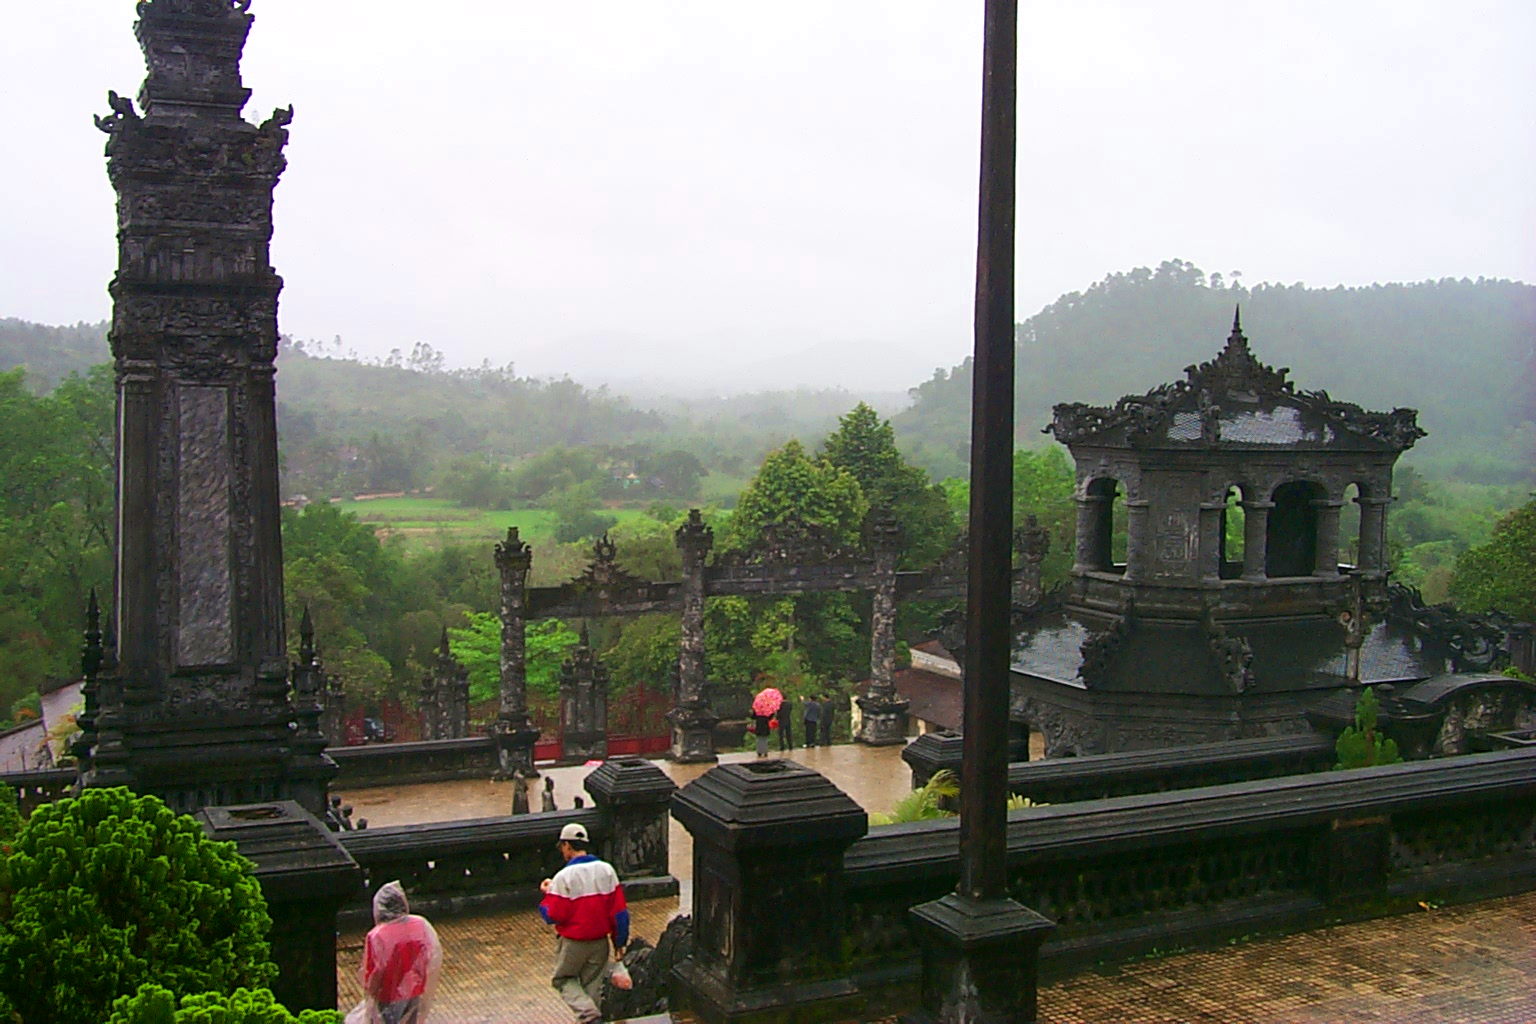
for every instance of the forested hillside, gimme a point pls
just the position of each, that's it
(49, 354)
(1461, 352)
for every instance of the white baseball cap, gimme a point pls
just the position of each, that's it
(574, 832)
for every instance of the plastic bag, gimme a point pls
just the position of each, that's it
(619, 977)
(773, 723)
(362, 1013)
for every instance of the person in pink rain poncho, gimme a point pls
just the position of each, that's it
(401, 961)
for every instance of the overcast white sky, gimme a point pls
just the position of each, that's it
(787, 189)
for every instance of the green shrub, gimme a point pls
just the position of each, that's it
(10, 819)
(155, 1005)
(108, 890)
(1360, 745)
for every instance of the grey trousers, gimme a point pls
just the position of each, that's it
(580, 967)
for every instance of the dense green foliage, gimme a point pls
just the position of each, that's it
(1361, 745)
(546, 643)
(865, 446)
(152, 1004)
(55, 523)
(1501, 574)
(106, 891)
(10, 819)
(791, 485)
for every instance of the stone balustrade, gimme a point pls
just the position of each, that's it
(1091, 777)
(1123, 875)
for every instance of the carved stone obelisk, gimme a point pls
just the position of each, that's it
(197, 708)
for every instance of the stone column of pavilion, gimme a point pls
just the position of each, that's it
(884, 713)
(197, 708)
(514, 732)
(979, 946)
(693, 720)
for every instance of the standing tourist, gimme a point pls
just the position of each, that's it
(585, 903)
(760, 729)
(401, 959)
(786, 718)
(812, 720)
(827, 710)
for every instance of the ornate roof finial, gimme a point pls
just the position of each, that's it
(443, 644)
(1236, 338)
(586, 639)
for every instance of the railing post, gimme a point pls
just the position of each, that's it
(633, 795)
(767, 835)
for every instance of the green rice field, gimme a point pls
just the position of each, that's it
(438, 521)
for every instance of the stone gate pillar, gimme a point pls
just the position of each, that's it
(514, 733)
(197, 709)
(693, 720)
(884, 714)
(583, 705)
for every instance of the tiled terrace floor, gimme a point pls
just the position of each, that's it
(1474, 964)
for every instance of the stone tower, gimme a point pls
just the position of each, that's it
(197, 709)
(1180, 638)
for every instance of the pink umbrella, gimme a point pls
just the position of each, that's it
(767, 702)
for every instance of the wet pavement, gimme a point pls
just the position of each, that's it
(1471, 964)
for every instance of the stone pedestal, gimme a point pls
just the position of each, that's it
(693, 732)
(306, 876)
(933, 752)
(515, 739)
(634, 796)
(980, 961)
(768, 907)
(884, 721)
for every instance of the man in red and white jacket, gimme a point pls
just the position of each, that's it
(585, 903)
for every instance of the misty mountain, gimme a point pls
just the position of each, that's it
(1461, 352)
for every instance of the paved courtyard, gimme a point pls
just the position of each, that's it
(1472, 964)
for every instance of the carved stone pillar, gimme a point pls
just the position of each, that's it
(515, 734)
(583, 705)
(1093, 542)
(1033, 542)
(693, 720)
(1373, 535)
(767, 834)
(427, 707)
(1138, 540)
(1256, 539)
(1327, 563)
(883, 720)
(198, 709)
